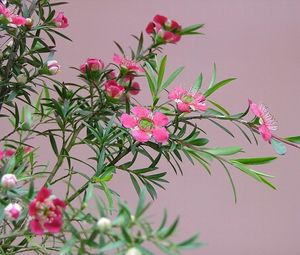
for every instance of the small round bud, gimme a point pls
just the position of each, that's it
(133, 251)
(29, 23)
(84, 206)
(13, 211)
(132, 217)
(9, 181)
(53, 67)
(104, 224)
(22, 78)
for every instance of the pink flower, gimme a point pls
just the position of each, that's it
(266, 120)
(18, 20)
(9, 152)
(9, 17)
(92, 64)
(53, 67)
(61, 21)
(27, 149)
(2, 154)
(5, 11)
(13, 211)
(164, 30)
(113, 89)
(186, 101)
(46, 213)
(9, 181)
(144, 125)
(127, 64)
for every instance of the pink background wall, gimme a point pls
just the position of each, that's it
(257, 41)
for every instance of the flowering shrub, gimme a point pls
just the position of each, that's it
(42, 210)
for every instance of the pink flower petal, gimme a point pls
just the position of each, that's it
(160, 19)
(140, 111)
(265, 132)
(135, 88)
(150, 28)
(43, 194)
(183, 107)
(177, 93)
(140, 136)
(160, 119)
(32, 210)
(255, 109)
(35, 227)
(54, 226)
(117, 59)
(160, 135)
(128, 121)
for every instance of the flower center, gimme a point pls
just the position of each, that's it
(146, 124)
(187, 99)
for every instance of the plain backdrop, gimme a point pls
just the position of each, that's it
(258, 42)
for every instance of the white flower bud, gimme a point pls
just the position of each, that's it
(9, 181)
(10, 43)
(22, 78)
(13, 211)
(104, 224)
(53, 67)
(133, 251)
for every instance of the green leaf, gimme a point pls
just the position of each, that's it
(213, 76)
(293, 139)
(172, 77)
(225, 151)
(191, 29)
(197, 85)
(199, 141)
(255, 161)
(53, 143)
(161, 72)
(217, 86)
(278, 147)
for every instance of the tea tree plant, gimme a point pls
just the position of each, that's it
(101, 114)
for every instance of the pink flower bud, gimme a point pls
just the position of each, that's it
(53, 67)
(113, 89)
(92, 64)
(61, 21)
(13, 211)
(8, 181)
(135, 88)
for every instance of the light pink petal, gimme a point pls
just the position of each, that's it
(160, 135)
(117, 59)
(160, 119)
(255, 109)
(183, 107)
(140, 111)
(128, 121)
(140, 136)
(201, 106)
(35, 227)
(265, 132)
(177, 93)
